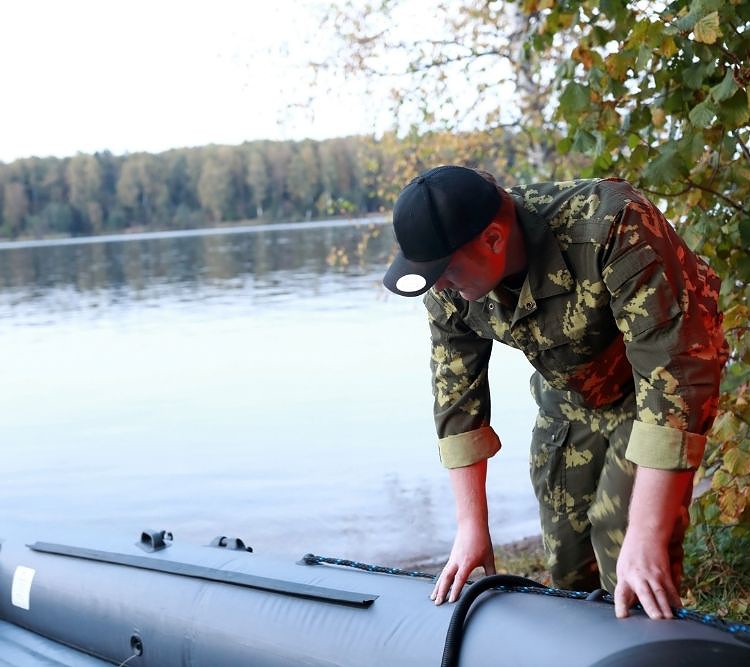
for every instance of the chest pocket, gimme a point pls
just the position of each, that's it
(542, 332)
(573, 324)
(489, 320)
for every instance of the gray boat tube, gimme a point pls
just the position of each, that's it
(176, 604)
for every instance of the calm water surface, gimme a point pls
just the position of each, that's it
(236, 384)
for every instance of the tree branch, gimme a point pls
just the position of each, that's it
(721, 196)
(447, 60)
(693, 184)
(668, 194)
(743, 147)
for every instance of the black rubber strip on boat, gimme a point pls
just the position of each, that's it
(455, 635)
(294, 589)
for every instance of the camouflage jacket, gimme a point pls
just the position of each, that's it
(613, 303)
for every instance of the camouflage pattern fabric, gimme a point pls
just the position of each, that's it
(583, 483)
(617, 316)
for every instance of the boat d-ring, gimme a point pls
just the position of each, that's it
(155, 540)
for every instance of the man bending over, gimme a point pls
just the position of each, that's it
(619, 319)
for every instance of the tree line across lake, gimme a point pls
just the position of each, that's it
(194, 187)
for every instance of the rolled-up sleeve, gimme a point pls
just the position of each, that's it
(664, 302)
(459, 361)
(463, 449)
(664, 447)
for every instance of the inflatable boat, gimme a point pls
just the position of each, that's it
(90, 600)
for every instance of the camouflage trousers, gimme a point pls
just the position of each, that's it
(583, 483)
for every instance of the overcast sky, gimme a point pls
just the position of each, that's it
(85, 76)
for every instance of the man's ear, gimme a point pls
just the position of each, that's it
(494, 237)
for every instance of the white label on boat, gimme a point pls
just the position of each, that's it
(21, 589)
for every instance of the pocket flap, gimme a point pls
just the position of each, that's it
(628, 265)
(550, 431)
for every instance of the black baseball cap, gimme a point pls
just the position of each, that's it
(435, 214)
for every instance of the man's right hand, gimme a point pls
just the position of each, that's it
(472, 548)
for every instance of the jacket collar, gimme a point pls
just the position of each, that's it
(547, 274)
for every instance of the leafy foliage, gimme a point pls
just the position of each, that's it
(667, 107)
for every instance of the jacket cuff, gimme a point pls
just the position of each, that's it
(463, 449)
(664, 447)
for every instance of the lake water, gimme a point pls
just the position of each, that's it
(237, 382)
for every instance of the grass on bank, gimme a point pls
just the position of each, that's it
(717, 568)
(524, 558)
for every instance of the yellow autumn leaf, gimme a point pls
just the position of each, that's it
(725, 427)
(668, 47)
(694, 197)
(736, 316)
(732, 503)
(658, 116)
(737, 462)
(566, 20)
(707, 29)
(720, 480)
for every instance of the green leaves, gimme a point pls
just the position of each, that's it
(584, 141)
(699, 11)
(613, 9)
(564, 145)
(703, 114)
(734, 112)
(692, 76)
(744, 228)
(726, 88)
(574, 99)
(726, 101)
(667, 168)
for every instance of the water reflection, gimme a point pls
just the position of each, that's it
(285, 257)
(42, 284)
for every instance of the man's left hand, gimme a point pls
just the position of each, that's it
(644, 572)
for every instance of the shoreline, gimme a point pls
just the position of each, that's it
(523, 557)
(142, 232)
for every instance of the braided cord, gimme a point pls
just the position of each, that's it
(739, 630)
(311, 559)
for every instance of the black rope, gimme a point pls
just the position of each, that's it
(312, 559)
(740, 630)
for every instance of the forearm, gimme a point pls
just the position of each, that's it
(469, 491)
(473, 545)
(656, 503)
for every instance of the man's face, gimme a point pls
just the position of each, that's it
(474, 270)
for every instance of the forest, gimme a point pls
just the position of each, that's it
(183, 188)
(197, 187)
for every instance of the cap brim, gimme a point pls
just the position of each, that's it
(407, 278)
